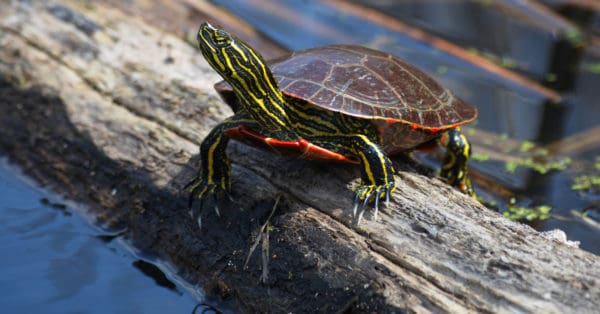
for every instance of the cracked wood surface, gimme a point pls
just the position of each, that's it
(108, 111)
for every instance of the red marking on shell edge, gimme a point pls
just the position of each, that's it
(414, 126)
(434, 130)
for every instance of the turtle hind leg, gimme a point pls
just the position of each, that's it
(454, 168)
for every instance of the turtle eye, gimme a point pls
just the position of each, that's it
(222, 39)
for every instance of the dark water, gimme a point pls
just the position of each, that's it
(53, 261)
(523, 40)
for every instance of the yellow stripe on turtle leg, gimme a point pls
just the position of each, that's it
(377, 168)
(215, 172)
(211, 158)
(454, 168)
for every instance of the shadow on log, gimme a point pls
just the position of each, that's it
(111, 115)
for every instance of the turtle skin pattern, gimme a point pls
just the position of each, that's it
(353, 103)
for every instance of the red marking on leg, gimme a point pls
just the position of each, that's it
(308, 150)
(273, 142)
(311, 151)
(242, 132)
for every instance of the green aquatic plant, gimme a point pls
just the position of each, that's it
(540, 166)
(480, 157)
(586, 182)
(526, 146)
(592, 67)
(522, 213)
(509, 63)
(574, 37)
(441, 70)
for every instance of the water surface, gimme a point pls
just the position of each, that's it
(53, 261)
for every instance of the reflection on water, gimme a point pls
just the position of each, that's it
(55, 262)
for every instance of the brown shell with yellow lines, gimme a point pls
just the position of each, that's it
(407, 106)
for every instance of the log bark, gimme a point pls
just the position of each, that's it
(109, 111)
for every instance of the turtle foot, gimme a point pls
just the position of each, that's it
(459, 179)
(200, 190)
(465, 186)
(371, 193)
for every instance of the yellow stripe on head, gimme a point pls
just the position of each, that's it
(247, 73)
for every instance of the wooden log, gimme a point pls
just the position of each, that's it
(108, 111)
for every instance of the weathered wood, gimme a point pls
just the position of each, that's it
(108, 111)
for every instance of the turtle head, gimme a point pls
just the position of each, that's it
(237, 62)
(216, 46)
(247, 73)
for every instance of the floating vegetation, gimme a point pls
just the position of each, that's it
(526, 146)
(441, 69)
(491, 204)
(480, 157)
(509, 63)
(589, 181)
(540, 166)
(528, 155)
(586, 182)
(592, 67)
(551, 77)
(515, 212)
(538, 160)
(574, 37)
(522, 213)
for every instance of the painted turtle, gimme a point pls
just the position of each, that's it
(346, 103)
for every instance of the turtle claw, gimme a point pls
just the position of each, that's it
(200, 190)
(371, 193)
(216, 206)
(199, 220)
(387, 196)
(356, 201)
(360, 216)
(230, 197)
(376, 207)
(363, 207)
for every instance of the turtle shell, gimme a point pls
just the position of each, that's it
(407, 105)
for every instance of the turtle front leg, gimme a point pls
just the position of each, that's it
(454, 168)
(377, 175)
(214, 175)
